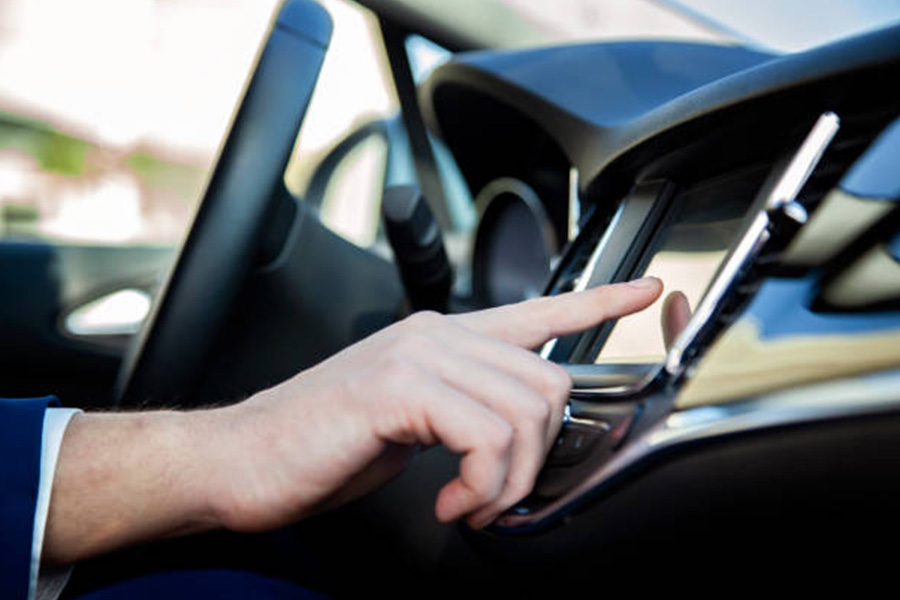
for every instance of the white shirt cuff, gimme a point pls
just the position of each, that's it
(55, 422)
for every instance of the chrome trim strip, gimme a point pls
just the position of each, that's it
(635, 377)
(547, 349)
(871, 394)
(591, 266)
(753, 240)
(609, 393)
(574, 205)
(581, 420)
(781, 196)
(803, 162)
(594, 260)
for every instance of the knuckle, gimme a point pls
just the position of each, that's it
(409, 345)
(500, 437)
(558, 383)
(424, 320)
(485, 494)
(539, 411)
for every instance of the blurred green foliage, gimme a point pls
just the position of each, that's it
(19, 221)
(62, 154)
(54, 151)
(57, 152)
(185, 180)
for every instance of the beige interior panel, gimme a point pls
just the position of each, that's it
(741, 364)
(840, 219)
(875, 277)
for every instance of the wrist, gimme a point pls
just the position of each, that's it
(221, 440)
(203, 442)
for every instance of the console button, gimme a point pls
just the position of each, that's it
(575, 441)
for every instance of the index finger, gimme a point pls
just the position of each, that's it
(531, 323)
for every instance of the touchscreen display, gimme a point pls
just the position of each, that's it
(685, 255)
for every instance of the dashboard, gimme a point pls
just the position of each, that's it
(761, 186)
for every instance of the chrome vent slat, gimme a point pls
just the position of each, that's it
(858, 130)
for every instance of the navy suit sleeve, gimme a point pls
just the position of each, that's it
(21, 428)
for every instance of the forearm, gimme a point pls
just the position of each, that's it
(126, 478)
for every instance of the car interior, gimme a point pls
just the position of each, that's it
(762, 185)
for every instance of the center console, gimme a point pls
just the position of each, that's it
(719, 245)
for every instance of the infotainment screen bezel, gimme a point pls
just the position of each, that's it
(776, 200)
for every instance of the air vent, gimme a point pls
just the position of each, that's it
(858, 130)
(767, 226)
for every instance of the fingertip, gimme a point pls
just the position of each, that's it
(450, 504)
(455, 501)
(646, 283)
(635, 295)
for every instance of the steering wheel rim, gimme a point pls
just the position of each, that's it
(165, 360)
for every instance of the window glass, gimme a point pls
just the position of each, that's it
(355, 94)
(111, 112)
(351, 204)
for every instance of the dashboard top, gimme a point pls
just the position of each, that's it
(603, 103)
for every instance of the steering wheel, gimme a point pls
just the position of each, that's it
(226, 238)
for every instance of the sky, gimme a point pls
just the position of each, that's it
(793, 25)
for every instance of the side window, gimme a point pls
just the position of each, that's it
(111, 113)
(351, 144)
(354, 143)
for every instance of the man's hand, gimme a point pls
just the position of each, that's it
(469, 382)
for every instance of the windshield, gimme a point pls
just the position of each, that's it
(790, 25)
(775, 25)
